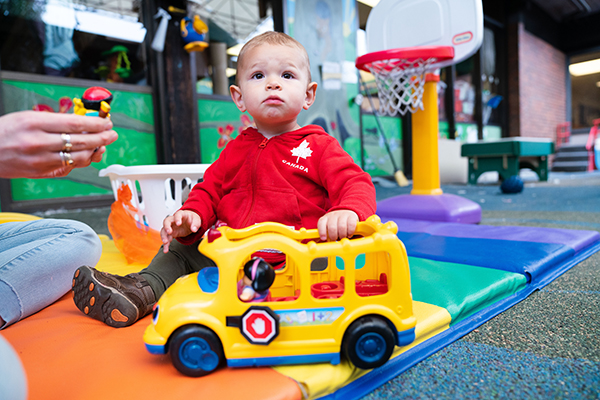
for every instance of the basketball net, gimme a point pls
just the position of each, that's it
(400, 84)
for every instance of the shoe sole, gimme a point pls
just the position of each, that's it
(101, 302)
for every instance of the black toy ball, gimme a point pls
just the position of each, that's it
(514, 184)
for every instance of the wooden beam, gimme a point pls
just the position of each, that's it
(178, 139)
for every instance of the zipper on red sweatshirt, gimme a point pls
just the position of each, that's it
(261, 146)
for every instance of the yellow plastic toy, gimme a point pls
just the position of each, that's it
(351, 296)
(194, 34)
(95, 102)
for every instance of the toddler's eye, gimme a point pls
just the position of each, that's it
(287, 75)
(258, 75)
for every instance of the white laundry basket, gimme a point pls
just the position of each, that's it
(156, 189)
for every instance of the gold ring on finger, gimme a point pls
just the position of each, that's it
(66, 139)
(66, 158)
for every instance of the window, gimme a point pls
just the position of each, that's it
(85, 39)
(327, 275)
(585, 90)
(372, 273)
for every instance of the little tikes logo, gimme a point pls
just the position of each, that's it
(302, 151)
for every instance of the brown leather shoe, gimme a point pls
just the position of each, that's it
(117, 301)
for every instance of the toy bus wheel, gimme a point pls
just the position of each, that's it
(368, 342)
(195, 350)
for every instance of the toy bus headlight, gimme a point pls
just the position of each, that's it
(155, 313)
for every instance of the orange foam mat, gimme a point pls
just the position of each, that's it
(67, 355)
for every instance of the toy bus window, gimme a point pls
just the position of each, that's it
(359, 263)
(372, 273)
(272, 277)
(319, 264)
(326, 283)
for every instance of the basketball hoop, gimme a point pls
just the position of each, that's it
(400, 75)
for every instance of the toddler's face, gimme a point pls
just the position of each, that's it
(274, 85)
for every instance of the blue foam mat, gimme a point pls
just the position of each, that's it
(541, 262)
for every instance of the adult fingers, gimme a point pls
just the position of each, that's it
(76, 159)
(97, 154)
(79, 142)
(55, 163)
(56, 173)
(72, 123)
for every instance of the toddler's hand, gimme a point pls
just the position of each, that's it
(180, 224)
(337, 225)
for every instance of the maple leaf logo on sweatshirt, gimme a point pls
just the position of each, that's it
(302, 151)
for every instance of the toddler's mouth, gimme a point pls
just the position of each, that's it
(273, 100)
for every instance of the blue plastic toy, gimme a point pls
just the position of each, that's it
(514, 184)
(194, 34)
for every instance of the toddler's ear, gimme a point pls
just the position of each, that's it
(311, 94)
(236, 96)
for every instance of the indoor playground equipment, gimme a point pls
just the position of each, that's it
(349, 297)
(404, 58)
(507, 156)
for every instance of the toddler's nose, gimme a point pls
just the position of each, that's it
(273, 84)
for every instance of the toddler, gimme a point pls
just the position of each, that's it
(278, 171)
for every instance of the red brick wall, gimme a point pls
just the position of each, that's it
(542, 86)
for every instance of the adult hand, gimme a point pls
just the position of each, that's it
(337, 225)
(180, 224)
(31, 142)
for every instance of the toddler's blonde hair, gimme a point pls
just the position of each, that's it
(274, 39)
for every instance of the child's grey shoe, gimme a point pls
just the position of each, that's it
(117, 301)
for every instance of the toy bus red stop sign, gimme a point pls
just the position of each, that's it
(259, 325)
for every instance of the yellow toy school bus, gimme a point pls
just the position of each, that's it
(349, 297)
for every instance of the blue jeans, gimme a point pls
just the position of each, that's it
(37, 263)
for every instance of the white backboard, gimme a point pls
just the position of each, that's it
(394, 24)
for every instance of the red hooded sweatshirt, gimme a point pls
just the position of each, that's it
(293, 178)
